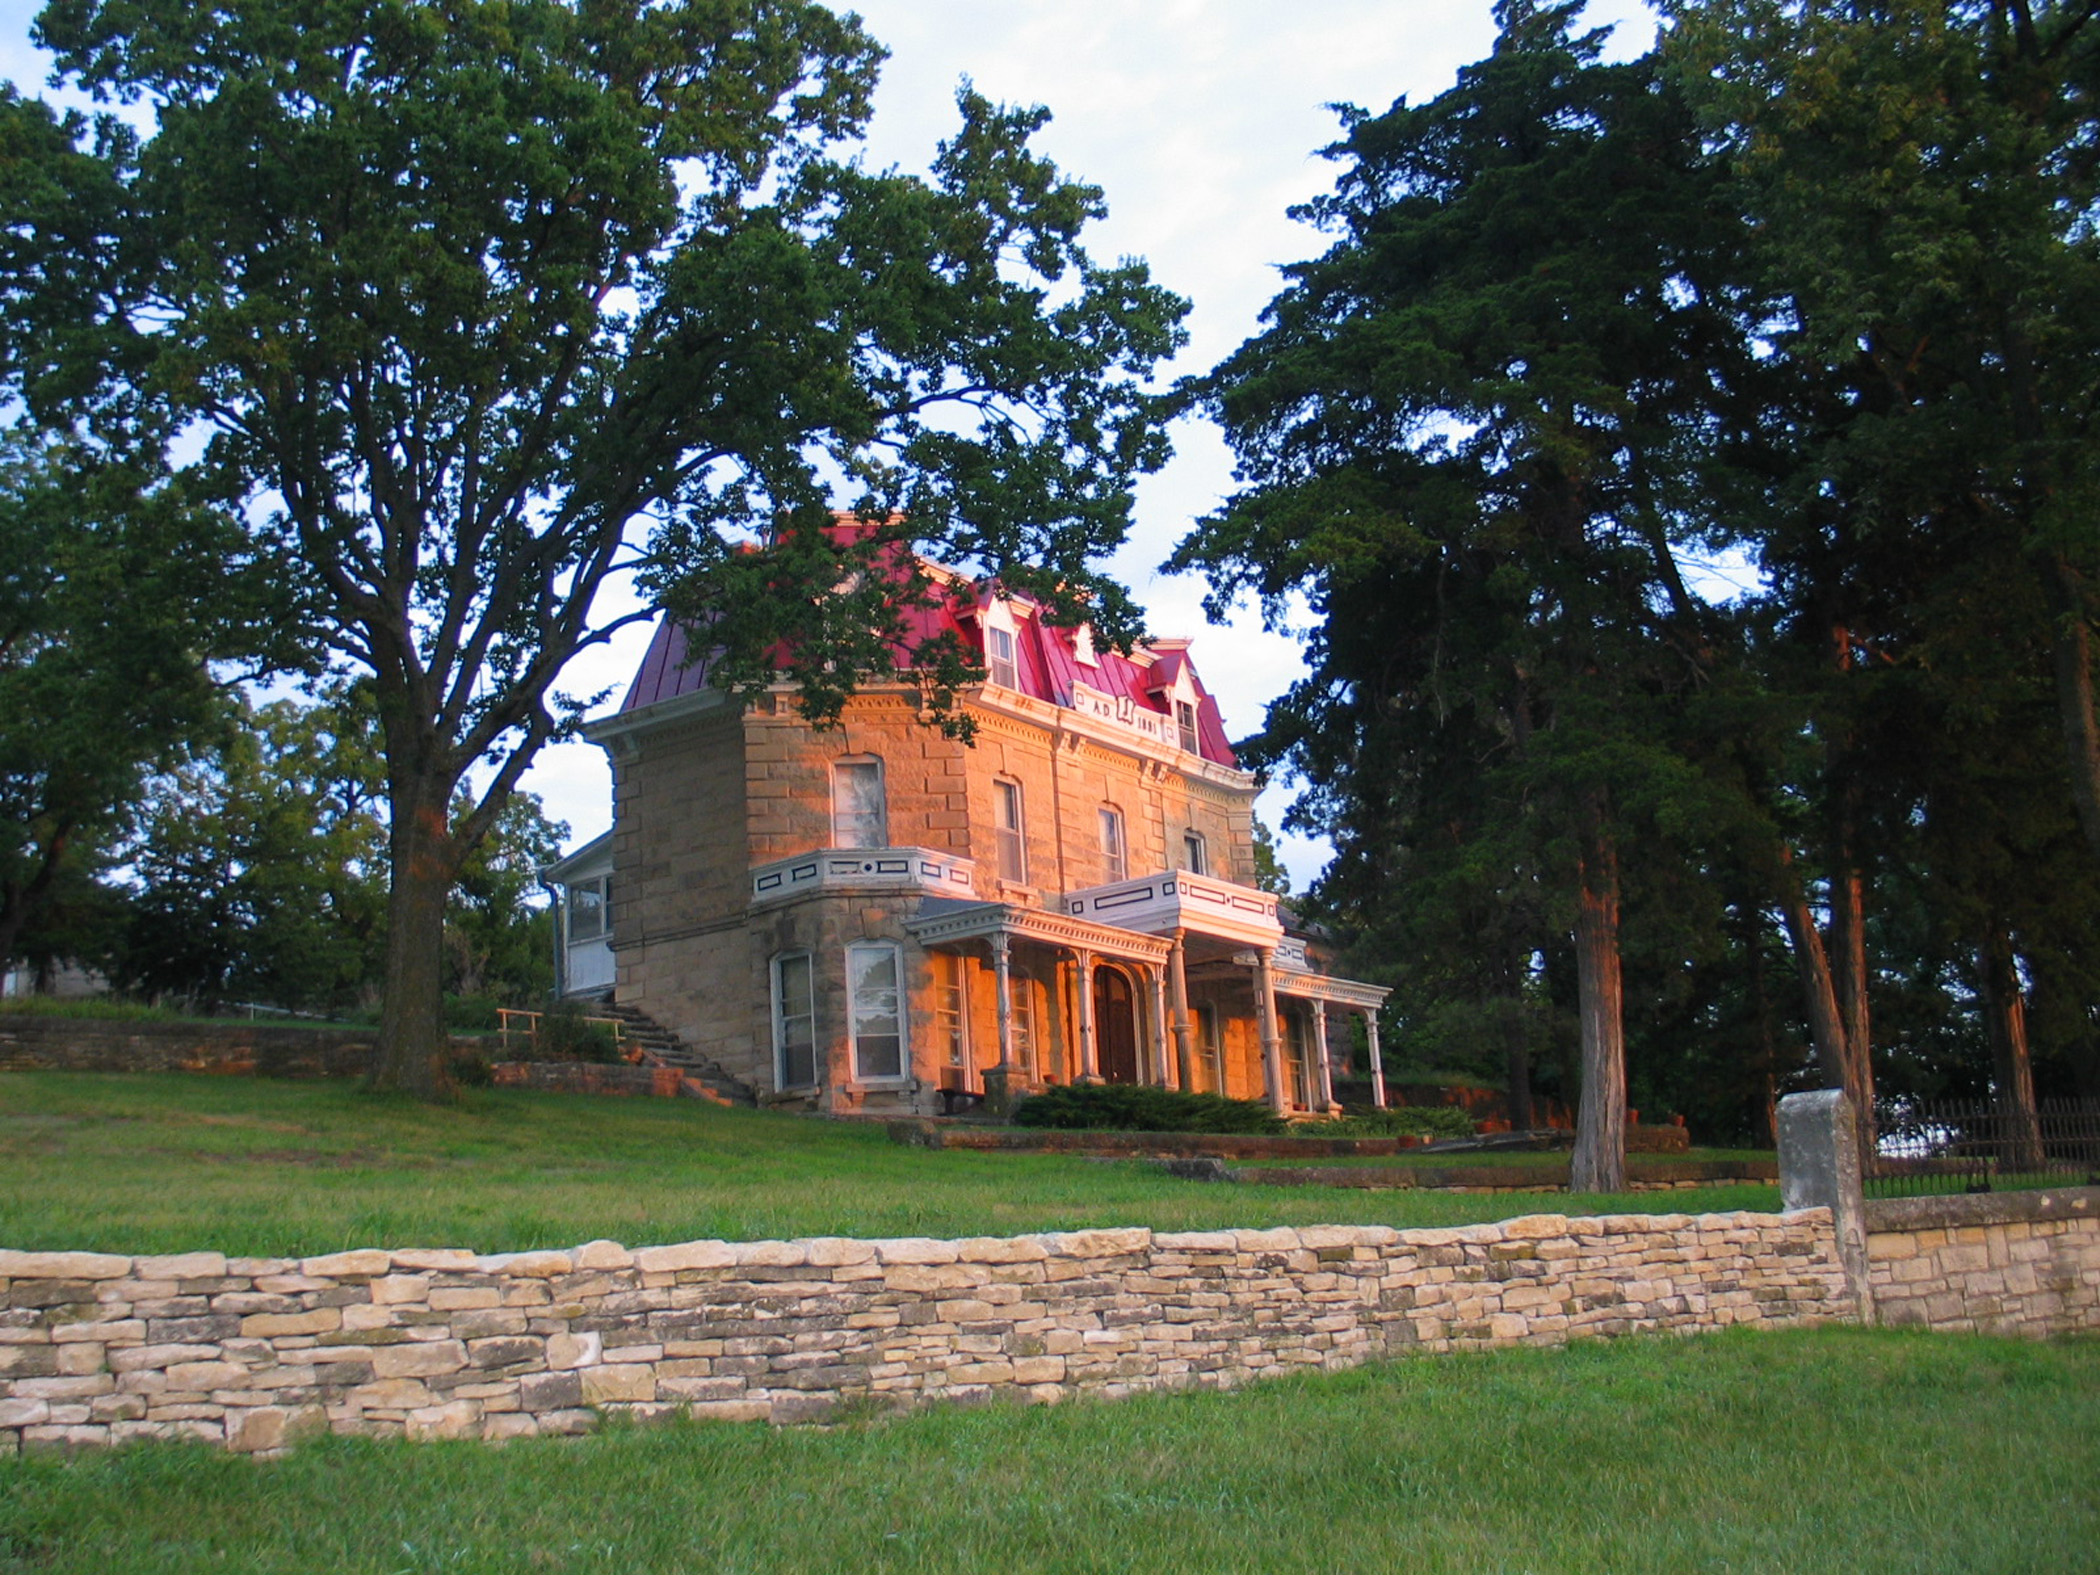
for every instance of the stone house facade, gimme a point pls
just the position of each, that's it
(877, 917)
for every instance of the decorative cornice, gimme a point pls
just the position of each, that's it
(983, 920)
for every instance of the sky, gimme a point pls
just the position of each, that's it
(1201, 121)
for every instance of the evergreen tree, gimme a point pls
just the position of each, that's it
(1463, 436)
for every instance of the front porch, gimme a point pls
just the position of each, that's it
(1163, 992)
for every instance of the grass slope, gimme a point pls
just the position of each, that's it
(174, 1163)
(1795, 1452)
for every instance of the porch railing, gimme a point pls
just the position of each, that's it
(1925, 1147)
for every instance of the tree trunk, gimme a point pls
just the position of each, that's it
(2073, 648)
(19, 902)
(1752, 939)
(1848, 934)
(1826, 1025)
(1516, 1040)
(412, 1054)
(2005, 1019)
(1600, 1124)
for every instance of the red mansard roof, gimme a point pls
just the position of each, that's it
(1048, 661)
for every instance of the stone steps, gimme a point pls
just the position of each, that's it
(704, 1078)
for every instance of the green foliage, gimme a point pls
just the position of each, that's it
(1422, 1121)
(117, 591)
(90, 1009)
(565, 1034)
(259, 870)
(1810, 291)
(471, 1069)
(1269, 873)
(1138, 1107)
(483, 303)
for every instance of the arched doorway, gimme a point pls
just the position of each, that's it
(1115, 1026)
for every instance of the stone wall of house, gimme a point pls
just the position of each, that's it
(2001, 1263)
(31, 1042)
(97, 1348)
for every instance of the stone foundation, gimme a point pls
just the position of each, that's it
(250, 1353)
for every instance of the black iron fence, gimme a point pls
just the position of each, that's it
(1980, 1146)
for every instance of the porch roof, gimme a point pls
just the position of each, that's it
(941, 921)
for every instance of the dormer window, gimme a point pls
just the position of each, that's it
(999, 659)
(1185, 720)
(859, 815)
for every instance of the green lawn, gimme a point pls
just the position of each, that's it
(169, 1163)
(1786, 1452)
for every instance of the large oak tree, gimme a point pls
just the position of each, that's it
(482, 301)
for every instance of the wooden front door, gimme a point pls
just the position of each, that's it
(1115, 1025)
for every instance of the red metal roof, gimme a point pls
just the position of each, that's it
(1047, 660)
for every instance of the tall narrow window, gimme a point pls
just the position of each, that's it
(1023, 999)
(859, 815)
(1007, 834)
(999, 657)
(1210, 1048)
(951, 1010)
(1185, 720)
(1113, 860)
(877, 1012)
(1195, 854)
(794, 1021)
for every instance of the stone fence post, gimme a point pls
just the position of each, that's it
(1819, 1168)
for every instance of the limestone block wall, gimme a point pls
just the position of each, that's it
(30, 1042)
(98, 1348)
(2002, 1263)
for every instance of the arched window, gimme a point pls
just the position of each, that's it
(859, 807)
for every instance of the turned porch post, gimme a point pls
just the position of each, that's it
(1178, 982)
(1089, 1064)
(1325, 1092)
(1271, 1043)
(1377, 1066)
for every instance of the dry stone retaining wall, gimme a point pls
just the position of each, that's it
(2006, 1263)
(97, 1348)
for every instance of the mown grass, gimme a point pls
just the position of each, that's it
(142, 1163)
(1800, 1451)
(1524, 1159)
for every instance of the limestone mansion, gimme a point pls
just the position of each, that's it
(877, 917)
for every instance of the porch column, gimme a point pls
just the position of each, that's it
(1271, 1044)
(1162, 1063)
(1325, 1091)
(1178, 983)
(999, 1080)
(1002, 979)
(1377, 1066)
(1089, 1062)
